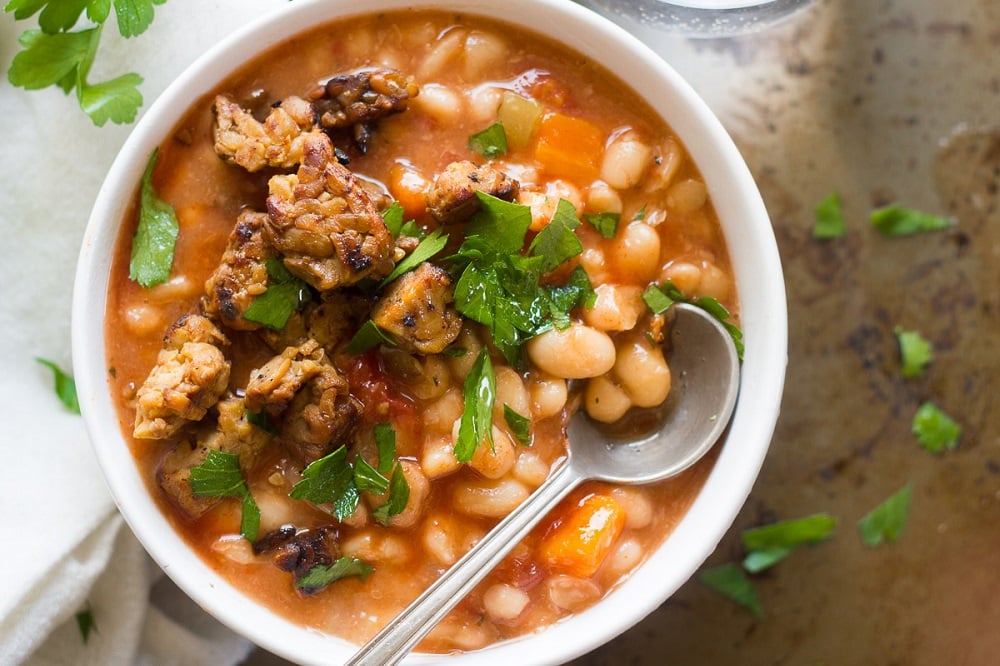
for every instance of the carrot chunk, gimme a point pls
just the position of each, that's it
(579, 543)
(409, 188)
(568, 147)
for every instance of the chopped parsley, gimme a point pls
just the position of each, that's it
(769, 544)
(334, 480)
(477, 418)
(914, 351)
(428, 247)
(886, 521)
(323, 575)
(220, 476)
(935, 430)
(261, 420)
(393, 218)
(502, 288)
(660, 298)
(65, 387)
(520, 426)
(285, 294)
(896, 220)
(155, 235)
(605, 223)
(730, 581)
(85, 622)
(369, 336)
(829, 218)
(491, 142)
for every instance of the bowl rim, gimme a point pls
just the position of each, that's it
(746, 227)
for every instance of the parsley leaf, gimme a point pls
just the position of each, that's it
(520, 426)
(556, 242)
(85, 622)
(477, 419)
(134, 16)
(261, 420)
(730, 581)
(915, 351)
(47, 59)
(393, 218)
(829, 218)
(491, 142)
(369, 336)
(285, 294)
(369, 479)
(935, 430)
(501, 288)
(329, 479)
(220, 476)
(605, 223)
(155, 235)
(790, 533)
(385, 443)
(322, 575)
(896, 220)
(660, 298)
(117, 100)
(886, 521)
(399, 495)
(427, 248)
(769, 544)
(64, 385)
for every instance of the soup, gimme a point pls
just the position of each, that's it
(411, 246)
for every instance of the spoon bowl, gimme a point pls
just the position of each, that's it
(705, 369)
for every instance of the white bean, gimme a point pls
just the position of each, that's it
(571, 593)
(638, 507)
(494, 462)
(483, 104)
(616, 308)
(604, 400)
(482, 50)
(626, 556)
(548, 395)
(234, 548)
(576, 352)
(642, 371)
(490, 498)
(143, 320)
(439, 102)
(602, 198)
(685, 276)
(530, 469)
(714, 282)
(637, 252)
(505, 602)
(437, 458)
(376, 546)
(625, 161)
(510, 391)
(444, 53)
(686, 196)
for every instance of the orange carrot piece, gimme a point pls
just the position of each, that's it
(579, 544)
(409, 188)
(568, 147)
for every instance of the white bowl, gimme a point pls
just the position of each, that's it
(754, 260)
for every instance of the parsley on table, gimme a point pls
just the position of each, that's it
(914, 351)
(220, 476)
(660, 297)
(829, 219)
(155, 235)
(730, 581)
(501, 286)
(285, 294)
(886, 521)
(491, 142)
(64, 385)
(85, 622)
(323, 575)
(895, 220)
(57, 56)
(769, 544)
(477, 419)
(935, 430)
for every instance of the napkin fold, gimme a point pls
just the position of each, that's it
(65, 548)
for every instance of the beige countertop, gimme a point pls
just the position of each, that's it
(880, 101)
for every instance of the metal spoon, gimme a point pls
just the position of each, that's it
(705, 370)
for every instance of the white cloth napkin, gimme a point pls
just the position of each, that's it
(64, 547)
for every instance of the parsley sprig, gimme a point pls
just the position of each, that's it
(503, 286)
(57, 55)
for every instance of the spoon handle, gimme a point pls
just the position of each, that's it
(390, 645)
